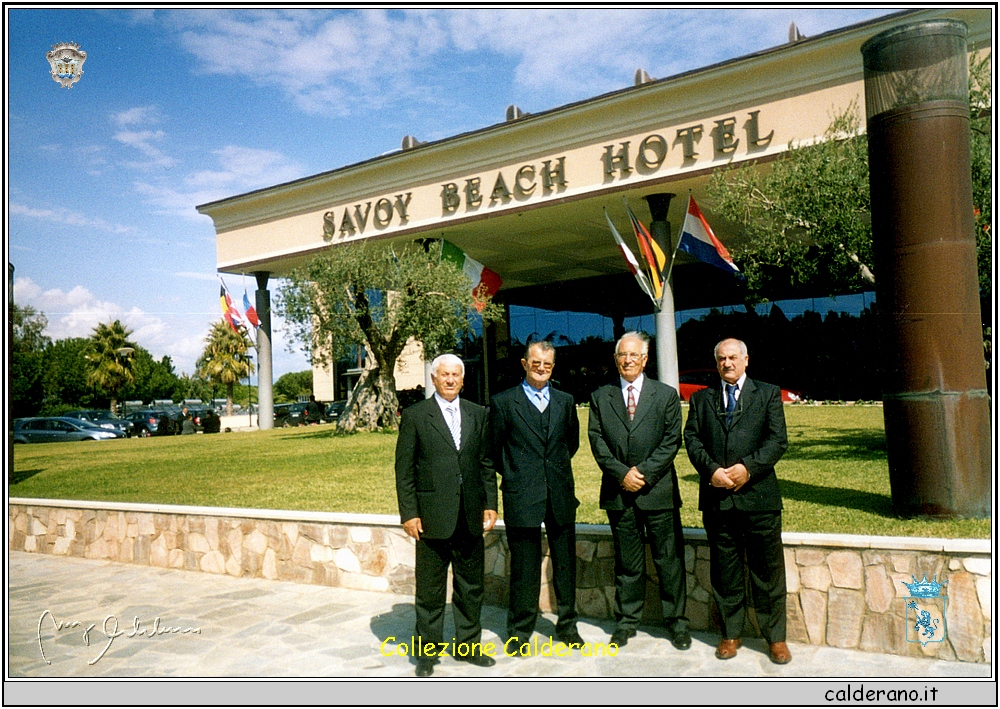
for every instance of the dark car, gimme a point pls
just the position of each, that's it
(334, 411)
(286, 415)
(54, 429)
(693, 380)
(148, 423)
(198, 414)
(103, 418)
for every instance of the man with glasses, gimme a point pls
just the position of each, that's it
(535, 433)
(735, 434)
(635, 433)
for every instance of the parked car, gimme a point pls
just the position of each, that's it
(147, 423)
(286, 415)
(692, 380)
(197, 414)
(103, 418)
(54, 429)
(334, 411)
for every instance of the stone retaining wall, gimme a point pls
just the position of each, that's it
(844, 591)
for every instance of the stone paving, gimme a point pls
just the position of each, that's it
(151, 622)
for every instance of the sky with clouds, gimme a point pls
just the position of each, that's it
(177, 108)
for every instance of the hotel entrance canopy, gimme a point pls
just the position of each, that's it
(526, 197)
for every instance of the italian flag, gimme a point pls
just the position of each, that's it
(485, 283)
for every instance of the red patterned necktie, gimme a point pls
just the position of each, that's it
(631, 403)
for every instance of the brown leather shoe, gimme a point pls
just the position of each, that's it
(780, 654)
(727, 649)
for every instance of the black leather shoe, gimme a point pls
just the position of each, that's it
(681, 640)
(425, 668)
(620, 637)
(571, 638)
(478, 659)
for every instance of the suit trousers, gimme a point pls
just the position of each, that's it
(464, 551)
(666, 545)
(525, 544)
(735, 535)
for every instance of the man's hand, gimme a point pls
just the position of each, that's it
(721, 479)
(739, 475)
(414, 527)
(634, 480)
(489, 519)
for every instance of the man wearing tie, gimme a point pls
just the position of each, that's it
(735, 435)
(635, 433)
(535, 433)
(447, 495)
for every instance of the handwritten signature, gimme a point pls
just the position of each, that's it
(111, 631)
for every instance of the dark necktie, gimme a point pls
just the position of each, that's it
(631, 403)
(730, 402)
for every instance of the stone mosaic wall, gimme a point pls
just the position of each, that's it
(838, 595)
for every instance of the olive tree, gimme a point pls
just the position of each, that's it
(377, 297)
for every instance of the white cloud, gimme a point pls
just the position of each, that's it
(61, 215)
(181, 336)
(343, 62)
(326, 62)
(238, 169)
(76, 312)
(143, 142)
(139, 115)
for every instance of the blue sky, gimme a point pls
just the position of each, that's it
(176, 108)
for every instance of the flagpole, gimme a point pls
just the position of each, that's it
(673, 256)
(666, 323)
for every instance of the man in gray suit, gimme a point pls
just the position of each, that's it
(447, 493)
(635, 433)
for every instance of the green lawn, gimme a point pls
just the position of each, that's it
(834, 477)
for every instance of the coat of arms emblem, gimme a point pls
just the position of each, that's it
(66, 60)
(925, 611)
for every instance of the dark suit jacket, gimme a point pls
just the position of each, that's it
(649, 442)
(756, 437)
(428, 468)
(534, 467)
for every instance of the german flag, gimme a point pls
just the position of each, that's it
(651, 252)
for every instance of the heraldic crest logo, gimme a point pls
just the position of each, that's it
(925, 611)
(66, 60)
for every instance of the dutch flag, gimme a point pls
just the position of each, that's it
(698, 240)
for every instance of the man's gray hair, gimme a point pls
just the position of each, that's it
(544, 345)
(742, 344)
(634, 335)
(446, 359)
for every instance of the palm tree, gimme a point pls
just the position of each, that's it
(225, 359)
(109, 355)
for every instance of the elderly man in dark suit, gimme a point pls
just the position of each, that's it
(535, 433)
(735, 434)
(447, 494)
(635, 433)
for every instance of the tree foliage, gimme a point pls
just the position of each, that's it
(981, 128)
(378, 297)
(27, 358)
(153, 379)
(29, 329)
(109, 357)
(225, 359)
(805, 218)
(292, 385)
